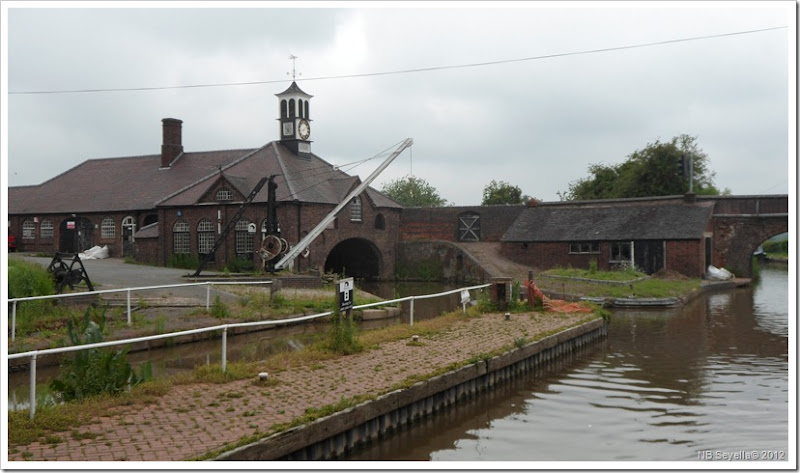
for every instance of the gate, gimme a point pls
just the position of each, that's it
(77, 235)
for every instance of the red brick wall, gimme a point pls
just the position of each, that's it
(686, 257)
(441, 223)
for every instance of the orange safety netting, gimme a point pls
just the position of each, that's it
(537, 298)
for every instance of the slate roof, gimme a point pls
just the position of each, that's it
(138, 183)
(587, 223)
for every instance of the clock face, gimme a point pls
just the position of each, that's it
(304, 129)
(288, 128)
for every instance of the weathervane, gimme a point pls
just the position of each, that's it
(294, 71)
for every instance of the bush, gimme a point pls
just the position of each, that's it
(184, 261)
(95, 371)
(27, 279)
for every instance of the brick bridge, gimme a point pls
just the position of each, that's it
(732, 228)
(740, 224)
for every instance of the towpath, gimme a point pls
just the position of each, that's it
(192, 420)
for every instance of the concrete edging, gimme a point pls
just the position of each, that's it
(331, 436)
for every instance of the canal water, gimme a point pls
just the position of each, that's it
(704, 381)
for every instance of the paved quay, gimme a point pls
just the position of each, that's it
(195, 419)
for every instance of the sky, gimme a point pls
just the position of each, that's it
(531, 94)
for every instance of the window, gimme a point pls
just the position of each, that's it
(380, 223)
(621, 252)
(300, 107)
(107, 228)
(28, 230)
(224, 194)
(244, 240)
(180, 237)
(46, 228)
(284, 109)
(292, 110)
(579, 247)
(355, 209)
(205, 236)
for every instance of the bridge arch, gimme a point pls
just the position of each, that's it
(736, 238)
(356, 257)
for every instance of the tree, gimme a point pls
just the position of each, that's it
(499, 193)
(410, 191)
(652, 171)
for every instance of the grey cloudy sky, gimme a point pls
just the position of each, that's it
(537, 123)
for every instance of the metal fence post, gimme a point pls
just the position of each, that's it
(13, 320)
(208, 295)
(224, 348)
(129, 307)
(411, 310)
(32, 392)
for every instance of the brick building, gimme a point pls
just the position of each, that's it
(167, 207)
(652, 234)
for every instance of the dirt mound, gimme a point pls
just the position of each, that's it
(668, 274)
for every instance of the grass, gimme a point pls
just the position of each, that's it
(592, 273)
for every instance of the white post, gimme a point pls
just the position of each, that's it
(224, 348)
(129, 307)
(208, 295)
(32, 392)
(411, 315)
(13, 320)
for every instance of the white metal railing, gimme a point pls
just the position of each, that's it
(208, 285)
(34, 354)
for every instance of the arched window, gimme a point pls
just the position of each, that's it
(205, 236)
(300, 108)
(108, 230)
(180, 237)
(224, 194)
(244, 240)
(355, 209)
(284, 109)
(28, 230)
(46, 228)
(150, 219)
(306, 105)
(292, 111)
(380, 223)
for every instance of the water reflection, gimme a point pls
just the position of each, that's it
(664, 386)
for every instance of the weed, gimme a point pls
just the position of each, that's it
(520, 342)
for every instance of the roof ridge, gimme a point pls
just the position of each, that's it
(282, 165)
(209, 176)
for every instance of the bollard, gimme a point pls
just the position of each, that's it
(129, 307)
(224, 348)
(13, 320)
(32, 392)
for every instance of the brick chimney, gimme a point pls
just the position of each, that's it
(171, 146)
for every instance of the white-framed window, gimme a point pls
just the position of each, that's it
(621, 252)
(28, 229)
(205, 236)
(224, 194)
(244, 240)
(355, 209)
(583, 247)
(107, 228)
(128, 228)
(180, 237)
(46, 228)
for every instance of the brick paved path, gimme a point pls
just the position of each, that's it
(192, 420)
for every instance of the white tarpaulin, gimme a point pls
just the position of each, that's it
(94, 253)
(720, 274)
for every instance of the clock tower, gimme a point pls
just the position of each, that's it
(295, 126)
